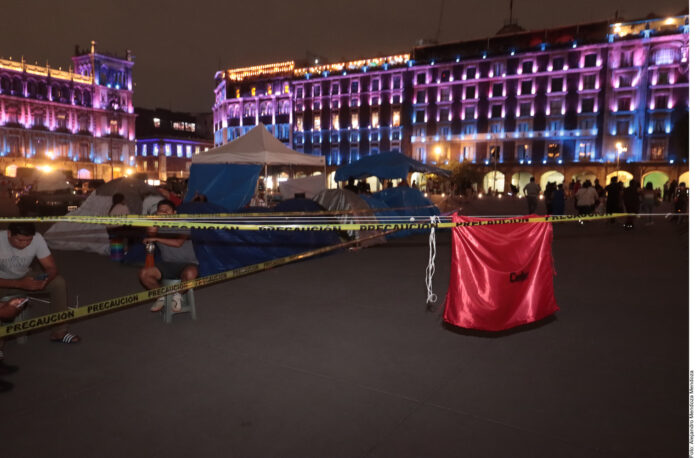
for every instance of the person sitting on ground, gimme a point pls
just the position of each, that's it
(8, 311)
(19, 245)
(586, 198)
(177, 258)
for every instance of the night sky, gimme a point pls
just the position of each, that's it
(179, 45)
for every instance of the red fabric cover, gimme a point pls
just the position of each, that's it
(501, 276)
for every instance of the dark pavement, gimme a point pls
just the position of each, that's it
(337, 357)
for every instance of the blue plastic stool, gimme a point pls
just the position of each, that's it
(188, 302)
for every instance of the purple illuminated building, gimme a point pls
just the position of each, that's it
(167, 141)
(80, 120)
(577, 102)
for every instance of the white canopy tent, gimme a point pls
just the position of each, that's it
(258, 146)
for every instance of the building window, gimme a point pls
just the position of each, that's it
(354, 137)
(445, 76)
(624, 104)
(526, 87)
(317, 122)
(497, 90)
(335, 88)
(299, 124)
(498, 69)
(585, 149)
(299, 92)
(354, 87)
(334, 121)
(522, 152)
(494, 153)
(587, 105)
(555, 126)
(660, 102)
(658, 126)
(396, 99)
(589, 81)
(316, 105)
(470, 73)
(374, 100)
(622, 127)
(625, 80)
(523, 127)
(354, 102)
(179, 151)
(420, 116)
(657, 151)
(374, 137)
(156, 122)
(445, 94)
(627, 59)
(354, 123)
(396, 118)
(444, 114)
(316, 90)
(374, 118)
(420, 96)
(665, 56)
(374, 84)
(113, 127)
(590, 60)
(587, 124)
(470, 129)
(495, 128)
(470, 92)
(396, 82)
(527, 66)
(420, 78)
(496, 111)
(525, 109)
(469, 112)
(557, 63)
(556, 84)
(663, 77)
(188, 151)
(553, 151)
(556, 107)
(167, 149)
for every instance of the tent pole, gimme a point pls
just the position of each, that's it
(265, 179)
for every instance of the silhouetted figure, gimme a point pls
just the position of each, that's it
(351, 185)
(558, 201)
(631, 198)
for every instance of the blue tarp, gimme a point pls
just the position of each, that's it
(218, 251)
(385, 166)
(405, 201)
(383, 216)
(229, 185)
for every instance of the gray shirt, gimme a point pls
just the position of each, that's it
(532, 189)
(16, 263)
(181, 255)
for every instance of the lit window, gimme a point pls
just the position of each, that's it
(334, 121)
(269, 89)
(354, 120)
(156, 122)
(237, 93)
(197, 150)
(317, 122)
(286, 88)
(375, 118)
(167, 150)
(253, 91)
(179, 150)
(188, 150)
(299, 124)
(396, 118)
(155, 150)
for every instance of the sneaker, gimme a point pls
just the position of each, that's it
(176, 302)
(158, 305)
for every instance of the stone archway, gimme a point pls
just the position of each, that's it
(520, 180)
(684, 177)
(551, 176)
(495, 181)
(657, 178)
(624, 177)
(585, 175)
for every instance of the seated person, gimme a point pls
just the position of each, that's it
(177, 260)
(8, 311)
(19, 245)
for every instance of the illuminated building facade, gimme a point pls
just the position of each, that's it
(80, 120)
(557, 104)
(167, 140)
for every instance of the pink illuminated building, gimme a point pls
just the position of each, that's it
(79, 120)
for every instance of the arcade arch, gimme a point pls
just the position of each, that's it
(520, 180)
(552, 176)
(684, 177)
(494, 180)
(624, 177)
(658, 179)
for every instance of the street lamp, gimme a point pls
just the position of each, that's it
(438, 151)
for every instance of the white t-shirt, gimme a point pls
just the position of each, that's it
(15, 263)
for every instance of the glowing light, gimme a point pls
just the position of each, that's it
(45, 168)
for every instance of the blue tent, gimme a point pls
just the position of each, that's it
(385, 166)
(229, 185)
(405, 201)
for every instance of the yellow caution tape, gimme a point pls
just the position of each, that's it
(308, 227)
(117, 303)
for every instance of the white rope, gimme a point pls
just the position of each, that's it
(430, 270)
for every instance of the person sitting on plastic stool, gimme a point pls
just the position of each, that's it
(177, 258)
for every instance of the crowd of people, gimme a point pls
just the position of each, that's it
(588, 198)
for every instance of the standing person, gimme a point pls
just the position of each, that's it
(19, 246)
(532, 191)
(548, 196)
(672, 191)
(351, 185)
(648, 198)
(631, 198)
(178, 260)
(681, 201)
(558, 201)
(586, 198)
(613, 196)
